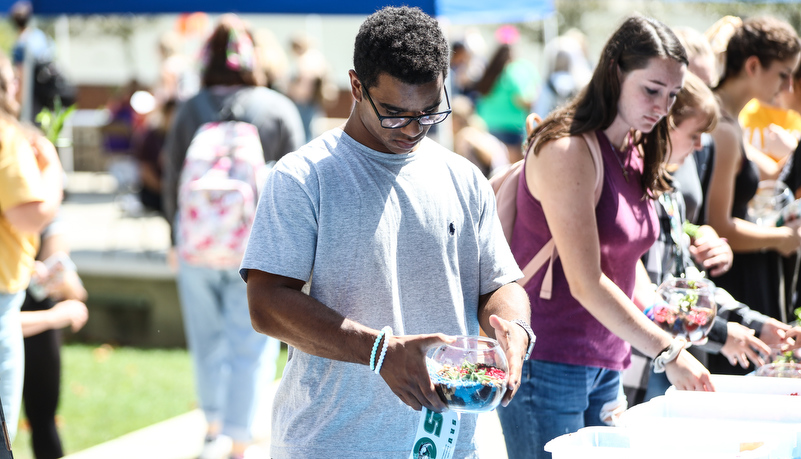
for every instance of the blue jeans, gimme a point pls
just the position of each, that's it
(12, 358)
(554, 399)
(233, 363)
(658, 384)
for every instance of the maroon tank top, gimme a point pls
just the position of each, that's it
(627, 227)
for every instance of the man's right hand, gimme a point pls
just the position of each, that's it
(405, 372)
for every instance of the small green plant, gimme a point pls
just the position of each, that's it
(688, 302)
(690, 229)
(785, 357)
(52, 121)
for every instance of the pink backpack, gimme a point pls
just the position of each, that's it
(505, 186)
(217, 193)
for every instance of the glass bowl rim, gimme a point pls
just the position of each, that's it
(670, 284)
(490, 342)
(787, 366)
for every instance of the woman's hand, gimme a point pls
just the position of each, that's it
(45, 152)
(71, 313)
(742, 346)
(687, 373)
(779, 142)
(791, 241)
(712, 251)
(774, 333)
(794, 334)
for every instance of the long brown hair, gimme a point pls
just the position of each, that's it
(631, 47)
(229, 55)
(501, 57)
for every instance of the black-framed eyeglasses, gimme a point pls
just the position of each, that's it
(397, 122)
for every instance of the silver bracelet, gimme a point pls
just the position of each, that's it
(669, 354)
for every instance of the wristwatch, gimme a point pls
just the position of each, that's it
(531, 336)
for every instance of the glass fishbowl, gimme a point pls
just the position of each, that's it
(766, 206)
(781, 363)
(470, 375)
(690, 308)
(780, 370)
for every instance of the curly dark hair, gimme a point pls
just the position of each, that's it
(768, 38)
(403, 42)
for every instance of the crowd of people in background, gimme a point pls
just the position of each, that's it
(673, 128)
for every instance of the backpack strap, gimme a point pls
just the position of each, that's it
(506, 184)
(548, 253)
(505, 187)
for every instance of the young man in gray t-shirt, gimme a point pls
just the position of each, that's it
(384, 228)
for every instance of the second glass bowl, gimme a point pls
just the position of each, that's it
(690, 308)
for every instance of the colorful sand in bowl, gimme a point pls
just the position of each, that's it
(474, 388)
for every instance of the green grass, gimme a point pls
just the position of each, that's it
(107, 392)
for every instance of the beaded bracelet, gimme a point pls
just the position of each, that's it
(669, 354)
(387, 336)
(375, 348)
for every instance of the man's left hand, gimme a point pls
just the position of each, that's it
(514, 342)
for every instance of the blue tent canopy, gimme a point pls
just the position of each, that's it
(456, 11)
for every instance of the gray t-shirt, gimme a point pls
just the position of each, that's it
(409, 241)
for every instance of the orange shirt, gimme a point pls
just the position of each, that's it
(756, 117)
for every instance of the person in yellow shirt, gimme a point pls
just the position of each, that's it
(775, 129)
(30, 194)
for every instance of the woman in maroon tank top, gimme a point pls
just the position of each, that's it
(585, 325)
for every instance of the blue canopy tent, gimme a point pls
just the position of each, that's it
(455, 11)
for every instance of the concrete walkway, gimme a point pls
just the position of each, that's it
(177, 438)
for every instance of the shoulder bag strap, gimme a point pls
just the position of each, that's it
(505, 187)
(548, 253)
